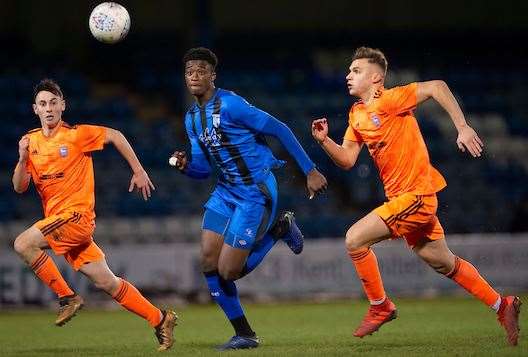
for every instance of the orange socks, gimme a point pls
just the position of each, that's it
(467, 276)
(464, 273)
(132, 300)
(47, 271)
(368, 272)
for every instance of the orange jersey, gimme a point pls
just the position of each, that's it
(62, 170)
(390, 131)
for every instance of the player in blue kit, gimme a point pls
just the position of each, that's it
(227, 133)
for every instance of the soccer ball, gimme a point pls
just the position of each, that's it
(109, 22)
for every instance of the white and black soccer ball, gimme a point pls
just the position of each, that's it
(109, 22)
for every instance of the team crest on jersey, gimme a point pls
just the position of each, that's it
(63, 151)
(376, 120)
(216, 120)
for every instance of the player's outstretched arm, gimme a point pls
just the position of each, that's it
(345, 155)
(264, 123)
(140, 178)
(315, 181)
(21, 177)
(439, 91)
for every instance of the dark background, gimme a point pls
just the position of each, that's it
(290, 59)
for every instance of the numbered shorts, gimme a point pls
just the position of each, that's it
(70, 234)
(242, 222)
(412, 217)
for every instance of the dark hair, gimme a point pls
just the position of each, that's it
(48, 85)
(373, 55)
(202, 54)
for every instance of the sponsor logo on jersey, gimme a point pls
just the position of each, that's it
(58, 175)
(375, 147)
(211, 137)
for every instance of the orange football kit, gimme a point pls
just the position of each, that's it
(389, 129)
(62, 170)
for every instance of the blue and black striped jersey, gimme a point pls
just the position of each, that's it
(227, 130)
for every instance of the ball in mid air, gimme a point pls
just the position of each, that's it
(109, 22)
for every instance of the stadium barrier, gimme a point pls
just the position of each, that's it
(322, 270)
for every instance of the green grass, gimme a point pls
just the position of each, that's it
(438, 327)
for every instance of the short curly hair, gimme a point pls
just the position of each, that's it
(201, 53)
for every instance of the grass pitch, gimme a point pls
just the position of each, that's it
(437, 327)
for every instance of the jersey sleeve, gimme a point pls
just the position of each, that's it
(29, 165)
(258, 120)
(401, 99)
(91, 137)
(246, 114)
(351, 134)
(196, 148)
(198, 166)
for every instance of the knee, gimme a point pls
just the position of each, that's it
(229, 273)
(352, 240)
(208, 261)
(21, 245)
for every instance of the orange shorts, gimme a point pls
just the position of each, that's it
(412, 217)
(70, 234)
